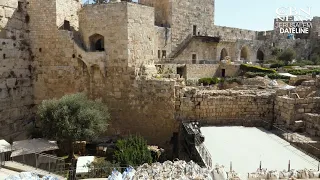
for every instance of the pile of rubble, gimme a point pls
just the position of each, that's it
(29, 176)
(293, 174)
(167, 170)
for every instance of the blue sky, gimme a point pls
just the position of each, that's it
(256, 14)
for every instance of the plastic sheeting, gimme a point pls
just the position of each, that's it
(30, 146)
(29, 176)
(4, 146)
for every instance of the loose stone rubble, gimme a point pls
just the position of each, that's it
(182, 170)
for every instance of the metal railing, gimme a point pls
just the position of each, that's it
(204, 153)
(42, 161)
(293, 138)
(182, 61)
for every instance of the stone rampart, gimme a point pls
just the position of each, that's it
(224, 107)
(16, 90)
(197, 71)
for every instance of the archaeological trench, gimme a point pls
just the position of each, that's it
(140, 58)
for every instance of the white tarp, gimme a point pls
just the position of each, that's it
(33, 146)
(82, 163)
(287, 87)
(287, 74)
(4, 146)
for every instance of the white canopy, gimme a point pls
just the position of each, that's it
(4, 146)
(33, 146)
(82, 163)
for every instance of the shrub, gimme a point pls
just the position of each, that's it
(100, 167)
(132, 151)
(287, 55)
(209, 81)
(270, 75)
(304, 71)
(251, 68)
(277, 64)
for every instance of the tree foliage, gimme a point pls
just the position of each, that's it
(288, 55)
(73, 117)
(132, 151)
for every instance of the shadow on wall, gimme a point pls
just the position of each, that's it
(17, 105)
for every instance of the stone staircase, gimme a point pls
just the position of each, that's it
(175, 53)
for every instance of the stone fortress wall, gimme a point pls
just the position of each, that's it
(16, 91)
(60, 56)
(218, 107)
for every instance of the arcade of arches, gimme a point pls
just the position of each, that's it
(96, 42)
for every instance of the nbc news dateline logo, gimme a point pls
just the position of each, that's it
(291, 20)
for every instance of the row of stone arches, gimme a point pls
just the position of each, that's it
(244, 54)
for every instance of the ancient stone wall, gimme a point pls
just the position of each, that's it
(67, 11)
(53, 53)
(230, 70)
(63, 67)
(312, 124)
(224, 107)
(162, 41)
(315, 30)
(202, 50)
(232, 34)
(189, 13)
(162, 11)
(289, 110)
(16, 92)
(112, 25)
(248, 50)
(197, 71)
(141, 34)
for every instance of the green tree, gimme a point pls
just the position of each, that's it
(132, 151)
(71, 118)
(287, 55)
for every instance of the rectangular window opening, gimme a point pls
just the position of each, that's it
(164, 53)
(194, 58)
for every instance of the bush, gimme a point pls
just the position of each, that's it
(132, 151)
(304, 71)
(209, 81)
(277, 64)
(251, 68)
(270, 75)
(101, 168)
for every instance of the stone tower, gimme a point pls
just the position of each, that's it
(315, 31)
(191, 17)
(185, 17)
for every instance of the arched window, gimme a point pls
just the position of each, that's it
(223, 54)
(96, 42)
